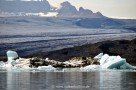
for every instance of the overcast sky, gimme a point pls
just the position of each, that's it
(110, 8)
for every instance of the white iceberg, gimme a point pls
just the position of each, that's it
(22, 63)
(99, 56)
(108, 62)
(2, 64)
(46, 68)
(90, 68)
(15, 62)
(12, 55)
(114, 62)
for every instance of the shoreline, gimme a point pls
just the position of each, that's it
(124, 48)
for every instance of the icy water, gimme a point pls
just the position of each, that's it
(95, 80)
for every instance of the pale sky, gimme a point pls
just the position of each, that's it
(110, 8)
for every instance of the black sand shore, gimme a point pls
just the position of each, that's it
(124, 48)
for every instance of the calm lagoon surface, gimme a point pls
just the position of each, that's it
(94, 80)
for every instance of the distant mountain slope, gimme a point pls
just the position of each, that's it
(97, 23)
(106, 23)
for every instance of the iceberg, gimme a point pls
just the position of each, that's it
(108, 62)
(46, 68)
(2, 64)
(90, 68)
(15, 63)
(99, 56)
(12, 55)
(113, 62)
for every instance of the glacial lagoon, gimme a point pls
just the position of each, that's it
(68, 80)
(42, 36)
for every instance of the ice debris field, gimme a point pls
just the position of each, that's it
(106, 63)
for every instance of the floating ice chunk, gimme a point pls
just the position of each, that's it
(126, 66)
(90, 68)
(104, 58)
(8, 66)
(22, 63)
(47, 59)
(46, 68)
(5, 65)
(11, 56)
(99, 56)
(116, 63)
(2, 64)
(15, 63)
(111, 62)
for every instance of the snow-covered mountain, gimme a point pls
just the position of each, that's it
(88, 13)
(65, 15)
(68, 10)
(20, 8)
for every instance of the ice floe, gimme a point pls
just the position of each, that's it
(46, 68)
(90, 68)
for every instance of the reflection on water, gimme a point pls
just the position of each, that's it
(100, 80)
